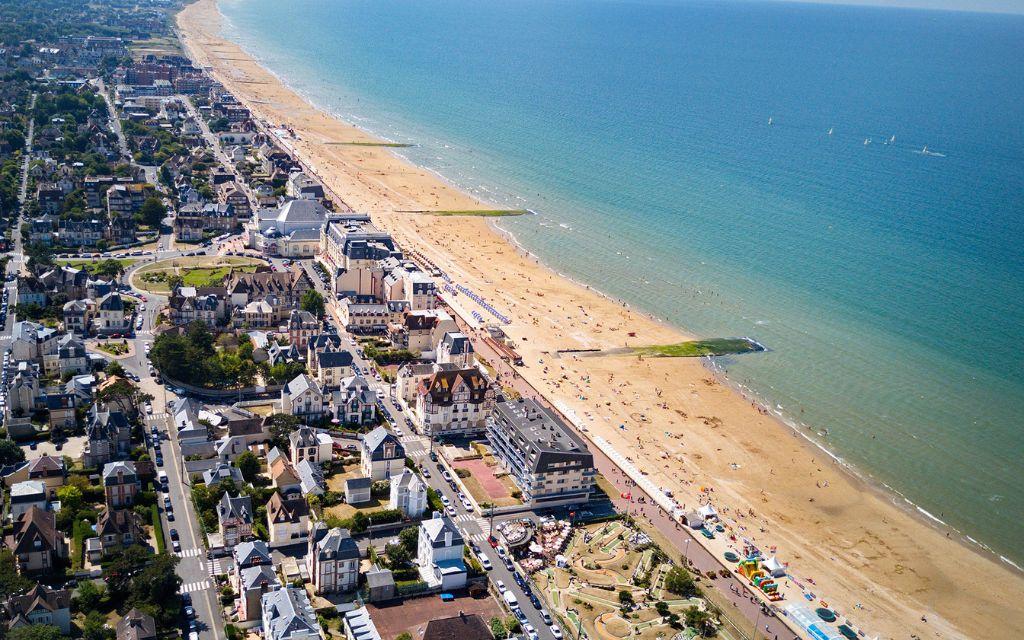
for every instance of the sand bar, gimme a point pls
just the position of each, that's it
(871, 559)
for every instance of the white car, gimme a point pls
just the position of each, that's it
(149, 408)
(556, 631)
(445, 501)
(450, 510)
(501, 587)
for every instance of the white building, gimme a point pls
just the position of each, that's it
(309, 444)
(382, 455)
(439, 553)
(409, 494)
(303, 397)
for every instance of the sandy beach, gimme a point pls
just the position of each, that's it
(872, 560)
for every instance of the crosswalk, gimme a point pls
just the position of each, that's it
(193, 587)
(215, 567)
(189, 553)
(162, 415)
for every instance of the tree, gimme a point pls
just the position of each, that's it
(700, 620)
(122, 569)
(398, 556)
(409, 538)
(35, 632)
(626, 598)
(114, 368)
(281, 425)
(512, 624)
(95, 627)
(11, 582)
(89, 597)
(174, 281)
(313, 302)
(249, 465)
(71, 498)
(152, 212)
(405, 635)
(10, 453)
(498, 629)
(681, 583)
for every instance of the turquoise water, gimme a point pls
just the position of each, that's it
(887, 282)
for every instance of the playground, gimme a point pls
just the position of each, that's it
(601, 564)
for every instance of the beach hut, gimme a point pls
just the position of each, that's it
(694, 520)
(708, 512)
(774, 567)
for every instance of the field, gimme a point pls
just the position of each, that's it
(195, 271)
(603, 561)
(482, 213)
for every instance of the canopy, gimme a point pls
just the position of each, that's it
(774, 567)
(708, 511)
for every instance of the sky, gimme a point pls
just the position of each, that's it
(987, 6)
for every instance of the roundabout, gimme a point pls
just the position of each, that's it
(195, 271)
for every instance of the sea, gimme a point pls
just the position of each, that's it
(843, 184)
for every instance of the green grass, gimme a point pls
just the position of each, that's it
(697, 348)
(210, 277)
(481, 213)
(89, 263)
(158, 528)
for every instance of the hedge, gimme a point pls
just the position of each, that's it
(158, 529)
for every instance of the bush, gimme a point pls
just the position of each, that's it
(680, 582)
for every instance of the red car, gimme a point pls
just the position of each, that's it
(492, 541)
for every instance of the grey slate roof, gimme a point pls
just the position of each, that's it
(436, 529)
(337, 544)
(239, 507)
(288, 612)
(375, 441)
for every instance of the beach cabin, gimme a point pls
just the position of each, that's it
(694, 520)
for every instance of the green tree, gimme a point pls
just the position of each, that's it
(249, 465)
(11, 582)
(281, 425)
(313, 302)
(405, 635)
(498, 629)
(626, 598)
(71, 498)
(680, 582)
(152, 212)
(35, 632)
(409, 538)
(157, 585)
(114, 368)
(512, 624)
(89, 596)
(10, 453)
(398, 556)
(95, 627)
(700, 620)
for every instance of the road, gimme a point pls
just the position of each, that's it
(115, 122)
(193, 568)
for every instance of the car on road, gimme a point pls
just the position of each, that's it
(450, 510)
(556, 631)
(176, 546)
(501, 587)
(174, 534)
(190, 613)
(485, 562)
(149, 408)
(445, 501)
(545, 616)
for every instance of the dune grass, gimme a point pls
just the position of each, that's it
(699, 348)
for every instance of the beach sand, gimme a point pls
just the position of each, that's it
(874, 561)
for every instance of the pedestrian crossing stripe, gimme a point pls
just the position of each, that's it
(192, 587)
(189, 553)
(215, 568)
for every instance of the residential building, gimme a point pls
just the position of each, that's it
(282, 290)
(303, 187)
(382, 455)
(453, 402)
(50, 470)
(234, 518)
(71, 356)
(320, 342)
(121, 484)
(288, 615)
(354, 403)
(332, 366)
(232, 195)
(108, 437)
(301, 325)
(439, 553)
(37, 544)
(307, 443)
(186, 306)
(358, 625)
(26, 495)
(408, 494)
(311, 478)
(198, 220)
(547, 460)
(136, 625)
(223, 471)
(112, 316)
(78, 316)
(253, 583)
(455, 348)
(287, 519)
(283, 475)
(353, 250)
(410, 376)
(118, 529)
(332, 560)
(303, 397)
(40, 605)
(460, 627)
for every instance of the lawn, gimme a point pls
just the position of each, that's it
(698, 348)
(89, 263)
(195, 271)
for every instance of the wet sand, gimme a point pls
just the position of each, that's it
(874, 561)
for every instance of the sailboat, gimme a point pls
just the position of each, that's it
(769, 120)
(830, 131)
(867, 141)
(892, 140)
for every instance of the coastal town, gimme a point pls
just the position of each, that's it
(237, 403)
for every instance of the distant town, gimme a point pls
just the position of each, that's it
(232, 407)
